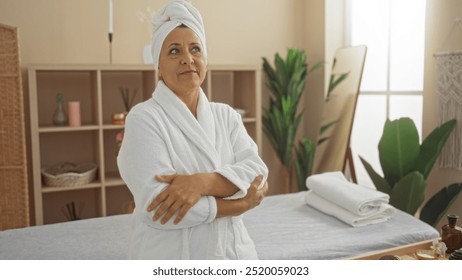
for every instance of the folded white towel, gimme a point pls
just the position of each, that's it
(334, 187)
(385, 211)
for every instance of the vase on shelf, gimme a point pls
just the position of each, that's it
(59, 117)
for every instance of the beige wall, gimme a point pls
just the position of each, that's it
(439, 23)
(57, 31)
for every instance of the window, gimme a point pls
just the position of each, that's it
(392, 82)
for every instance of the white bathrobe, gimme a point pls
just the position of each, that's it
(163, 137)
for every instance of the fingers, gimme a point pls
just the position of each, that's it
(256, 183)
(257, 180)
(172, 200)
(168, 209)
(264, 189)
(169, 213)
(157, 201)
(163, 209)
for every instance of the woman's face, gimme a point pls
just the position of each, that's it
(181, 62)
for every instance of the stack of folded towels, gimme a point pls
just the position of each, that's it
(351, 203)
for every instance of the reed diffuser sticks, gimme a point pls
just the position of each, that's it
(71, 212)
(128, 97)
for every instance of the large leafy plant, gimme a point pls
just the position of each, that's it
(286, 81)
(406, 165)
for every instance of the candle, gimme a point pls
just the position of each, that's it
(110, 16)
(74, 113)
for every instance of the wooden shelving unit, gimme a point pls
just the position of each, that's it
(97, 89)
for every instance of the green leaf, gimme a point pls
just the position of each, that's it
(327, 126)
(322, 140)
(304, 161)
(408, 194)
(439, 203)
(335, 80)
(398, 149)
(317, 65)
(379, 182)
(432, 146)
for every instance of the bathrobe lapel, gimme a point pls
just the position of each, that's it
(200, 131)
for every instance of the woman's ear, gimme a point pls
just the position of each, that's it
(159, 74)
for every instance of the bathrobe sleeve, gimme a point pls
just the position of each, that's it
(247, 163)
(143, 154)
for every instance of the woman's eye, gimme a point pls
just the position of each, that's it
(174, 51)
(195, 49)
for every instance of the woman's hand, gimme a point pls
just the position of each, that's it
(237, 207)
(179, 197)
(254, 195)
(185, 190)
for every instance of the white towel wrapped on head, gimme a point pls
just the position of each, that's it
(172, 15)
(334, 187)
(351, 203)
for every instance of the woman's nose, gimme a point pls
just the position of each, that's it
(187, 58)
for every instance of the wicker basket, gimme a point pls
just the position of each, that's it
(69, 174)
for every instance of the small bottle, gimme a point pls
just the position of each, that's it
(60, 116)
(451, 234)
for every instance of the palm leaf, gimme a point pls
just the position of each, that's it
(432, 146)
(379, 182)
(398, 149)
(408, 193)
(438, 204)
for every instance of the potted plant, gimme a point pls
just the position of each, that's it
(406, 165)
(286, 82)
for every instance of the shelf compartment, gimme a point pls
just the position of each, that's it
(140, 85)
(75, 86)
(71, 146)
(119, 200)
(54, 204)
(244, 92)
(113, 179)
(110, 151)
(251, 130)
(235, 88)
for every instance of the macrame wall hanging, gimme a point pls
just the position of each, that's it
(449, 90)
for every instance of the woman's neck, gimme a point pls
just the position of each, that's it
(190, 99)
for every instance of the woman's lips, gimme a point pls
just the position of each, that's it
(188, 72)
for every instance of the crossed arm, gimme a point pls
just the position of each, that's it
(195, 198)
(185, 190)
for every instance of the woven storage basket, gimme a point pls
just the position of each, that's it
(69, 174)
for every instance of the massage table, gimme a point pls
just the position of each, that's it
(282, 227)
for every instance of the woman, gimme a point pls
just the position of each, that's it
(189, 163)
